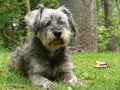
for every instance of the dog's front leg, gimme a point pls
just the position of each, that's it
(41, 81)
(70, 79)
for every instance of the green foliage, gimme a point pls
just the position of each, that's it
(10, 12)
(102, 38)
(113, 30)
(47, 3)
(105, 33)
(50, 3)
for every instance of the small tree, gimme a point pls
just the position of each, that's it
(27, 3)
(112, 43)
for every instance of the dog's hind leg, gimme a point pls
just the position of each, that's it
(14, 58)
(16, 62)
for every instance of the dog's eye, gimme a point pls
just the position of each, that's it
(48, 23)
(61, 22)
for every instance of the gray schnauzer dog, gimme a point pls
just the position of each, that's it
(46, 56)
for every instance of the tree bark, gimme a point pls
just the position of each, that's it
(84, 14)
(118, 5)
(27, 3)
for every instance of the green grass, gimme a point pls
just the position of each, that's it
(93, 78)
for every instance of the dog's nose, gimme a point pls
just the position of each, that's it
(57, 34)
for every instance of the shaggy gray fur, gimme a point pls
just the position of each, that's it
(46, 56)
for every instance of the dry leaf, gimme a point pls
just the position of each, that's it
(100, 64)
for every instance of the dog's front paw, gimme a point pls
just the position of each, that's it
(71, 80)
(41, 81)
(48, 84)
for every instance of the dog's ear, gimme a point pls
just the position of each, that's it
(33, 18)
(70, 19)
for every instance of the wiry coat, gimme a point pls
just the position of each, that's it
(46, 56)
(35, 58)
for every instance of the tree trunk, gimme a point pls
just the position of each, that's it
(84, 14)
(27, 3)
(118, 5)
(112, 44)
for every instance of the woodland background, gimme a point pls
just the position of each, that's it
(98, 23)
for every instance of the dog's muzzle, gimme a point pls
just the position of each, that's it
(58, 40)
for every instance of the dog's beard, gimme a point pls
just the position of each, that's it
(51, 42)
(57, 42)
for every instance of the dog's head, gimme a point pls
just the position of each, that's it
(54, 27)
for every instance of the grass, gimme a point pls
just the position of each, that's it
(93, 78)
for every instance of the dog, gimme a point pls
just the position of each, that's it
(46, 56)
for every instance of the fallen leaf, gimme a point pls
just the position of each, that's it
(100, 64)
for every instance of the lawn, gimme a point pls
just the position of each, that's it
(93, 78)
